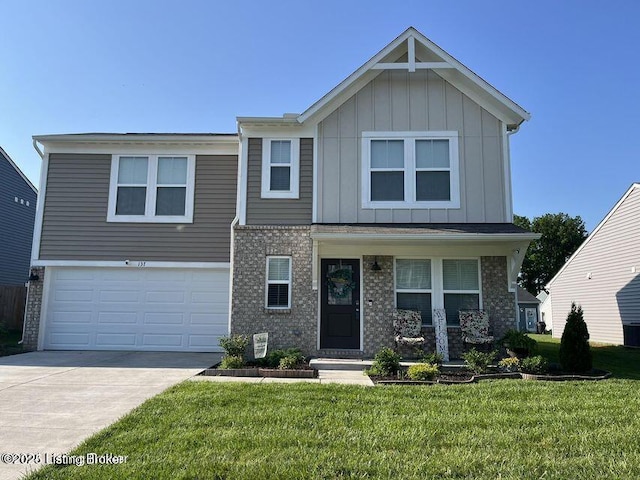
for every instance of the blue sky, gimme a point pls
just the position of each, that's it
(193, 66)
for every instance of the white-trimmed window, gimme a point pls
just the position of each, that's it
(413, 286)
(461, 287)
(410, 170)
(280, 168)
(151, 188)
(278, 291)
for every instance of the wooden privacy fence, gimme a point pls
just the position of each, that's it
(12, 302)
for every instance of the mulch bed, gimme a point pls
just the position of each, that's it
(303, 371)
(464, 377)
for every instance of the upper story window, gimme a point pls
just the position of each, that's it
(280, 168)
(151, 188)
(410, 170)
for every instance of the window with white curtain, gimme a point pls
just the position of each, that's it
(461, 287)
(151, 188)
(413, 286)
(278, 292)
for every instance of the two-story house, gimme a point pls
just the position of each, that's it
(393, 190)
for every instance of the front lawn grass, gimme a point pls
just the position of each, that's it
(498, 429)
(623, 362)
(494, 429)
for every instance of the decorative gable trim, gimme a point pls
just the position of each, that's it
(447, 67)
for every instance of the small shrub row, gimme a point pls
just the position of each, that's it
(423, 371)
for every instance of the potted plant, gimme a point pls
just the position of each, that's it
(518, 344)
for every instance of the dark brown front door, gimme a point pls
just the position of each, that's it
(340, 304)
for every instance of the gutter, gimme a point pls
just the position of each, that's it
(472, 237)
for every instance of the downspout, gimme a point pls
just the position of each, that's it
(24, 317)
(507, 151)
(231, 254)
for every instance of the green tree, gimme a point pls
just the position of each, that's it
(575, 353)
(561, 236)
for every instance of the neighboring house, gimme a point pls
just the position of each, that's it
(546, 315)
(603, 276)
(393, 190)
(18, 199)
(528, 314)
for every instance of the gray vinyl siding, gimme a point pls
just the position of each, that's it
(75, 223)
(16, 225)
(611, 297)
(279, 211)
(421, 101)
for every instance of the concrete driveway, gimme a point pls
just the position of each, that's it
(51, 401)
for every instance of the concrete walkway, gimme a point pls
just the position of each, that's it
(51, 401)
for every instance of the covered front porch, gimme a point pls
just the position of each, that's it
(441, 268)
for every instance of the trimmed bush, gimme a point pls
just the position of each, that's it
(519, 342)
(423, 371)
(273, 358)
(385, 363)
(433, 358)
(232, 361)
(235, 346)
(290, 362)
(478, 362)
(575, 353)
(537, 365)
(510, 364)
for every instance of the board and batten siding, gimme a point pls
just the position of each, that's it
(16, 225)
(279, 211)
(75, 223)
(421, 101)
(611, 297)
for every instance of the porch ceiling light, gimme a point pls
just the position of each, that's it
(374, 266)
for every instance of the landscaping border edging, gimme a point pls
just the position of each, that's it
(260, 372)
(564, 378)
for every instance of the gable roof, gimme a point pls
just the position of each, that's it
(594, 233)
(525, 297)
(12, 163)
(421, 53)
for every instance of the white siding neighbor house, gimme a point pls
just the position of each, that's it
(603, 276)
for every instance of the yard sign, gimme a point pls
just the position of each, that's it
(260, 341)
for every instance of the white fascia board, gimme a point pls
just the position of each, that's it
(288, 130)
(37, 225)
(509, 111)
(147, 148)
(132, 263)
(153, 144)
(432, 237)
(593, 234)
(135, 137)
(474, 77)
(355, 76)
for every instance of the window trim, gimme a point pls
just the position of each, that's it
(462, 292)
(397, 290)
(437, 281)
(151, 186)
(294, 171)
(410, 170)
(277, 282)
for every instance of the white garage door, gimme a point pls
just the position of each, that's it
(150, 309)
